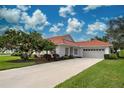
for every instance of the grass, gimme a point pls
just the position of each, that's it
(9, 62)
(105, 74)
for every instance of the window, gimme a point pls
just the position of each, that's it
(75, 51)
(66, 51)
(96, 49)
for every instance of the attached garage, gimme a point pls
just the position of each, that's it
(93, 52)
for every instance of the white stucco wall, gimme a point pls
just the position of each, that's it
(61, 51)
(80, 52)
(77, 51)
(107, 50)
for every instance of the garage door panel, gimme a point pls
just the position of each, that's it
(94, 54)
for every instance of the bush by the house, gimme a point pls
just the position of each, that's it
(113, 56)
(71, 57)
(106, 56)
(121, 54)
(65, 57)
(56, 57)
(47, 57)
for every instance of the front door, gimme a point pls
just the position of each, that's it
(71, 51)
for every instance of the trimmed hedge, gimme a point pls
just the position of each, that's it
(106, 56)
(113, 56)
(121, 54)
(71, 57)
(110, 56)
(67, 57)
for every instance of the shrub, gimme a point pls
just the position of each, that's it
(121, 54)
(118, 54)
(71, 57)
(24, 56)
(47, 57)
(16, 53)
(106, 56)
(113, 56)
(56, 57)
(65, 57)
(5, 53)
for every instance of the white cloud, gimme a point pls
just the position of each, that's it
(60, 24)
(74, 25)
(23, 7)
(111, 18)
(36, 22)
(95, 27)
(3, 29)
(105, 18)
(10, 15)
(56, 28)
(65, 11)
(92, 7)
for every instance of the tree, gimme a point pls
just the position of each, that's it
(48, 46)
(115, 32)
(24, 42)
(104, 38)
(1, 43)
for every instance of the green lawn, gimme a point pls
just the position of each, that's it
(105, 74)
(9, 62)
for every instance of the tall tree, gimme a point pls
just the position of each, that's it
(115, 32)
(24, 42)
(49, 46)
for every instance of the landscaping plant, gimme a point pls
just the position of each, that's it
(121, 54)
(113, 56)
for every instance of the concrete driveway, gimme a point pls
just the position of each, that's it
(44, 75)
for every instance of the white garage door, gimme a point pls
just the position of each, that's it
(93, 53)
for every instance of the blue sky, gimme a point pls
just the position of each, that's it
(82, 22)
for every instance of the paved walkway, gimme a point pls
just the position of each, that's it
(44, 75)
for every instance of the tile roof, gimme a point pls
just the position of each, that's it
(93, 43)
(58, 40)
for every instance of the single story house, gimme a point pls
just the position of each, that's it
(65, 45)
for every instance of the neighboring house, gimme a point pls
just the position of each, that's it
(65, 45)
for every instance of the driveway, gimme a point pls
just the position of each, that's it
(44, 75)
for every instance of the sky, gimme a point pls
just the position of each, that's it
(82, 22)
